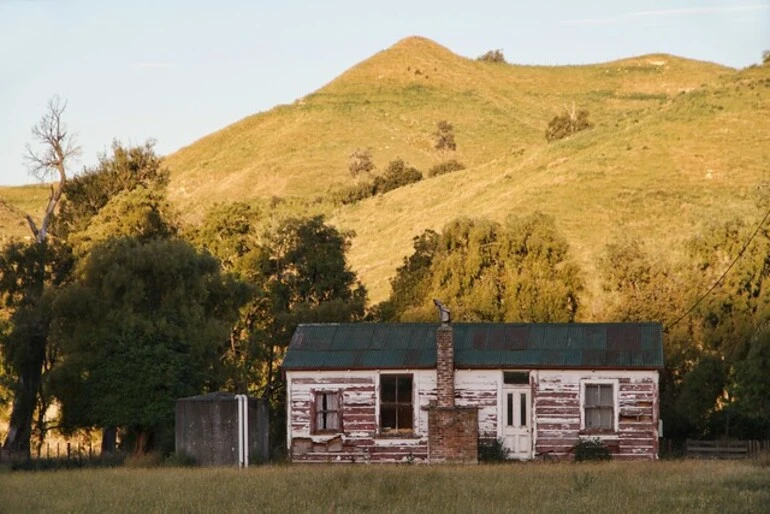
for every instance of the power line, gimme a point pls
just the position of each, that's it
(719, 280)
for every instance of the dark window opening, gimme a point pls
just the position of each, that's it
(516, 377)
(396, 405)
(327, 415)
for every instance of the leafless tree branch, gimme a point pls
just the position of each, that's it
(56, 147)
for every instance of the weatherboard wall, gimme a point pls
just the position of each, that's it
(556, 403)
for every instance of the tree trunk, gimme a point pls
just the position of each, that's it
(144, 441)
(25, 398)
(109, 440)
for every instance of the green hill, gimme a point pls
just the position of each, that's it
(675, 142)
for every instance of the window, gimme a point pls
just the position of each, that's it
(516, 377)
(599, 406)
(327, 411)
(396, 408)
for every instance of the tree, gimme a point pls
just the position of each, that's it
(485, 271)
(30, 276)
(58, 149)
(127, 168)
(492, 56)
(228, 231)
(444, 137)
(569, 122)
(306, 279)
(29, 272)
(140, 328)
(360, 161)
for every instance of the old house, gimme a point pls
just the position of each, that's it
(428, 392)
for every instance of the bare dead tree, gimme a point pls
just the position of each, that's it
(56, 147)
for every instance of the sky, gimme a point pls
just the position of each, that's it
(176, 70)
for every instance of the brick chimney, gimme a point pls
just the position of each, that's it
(445, 366)
(453, 432)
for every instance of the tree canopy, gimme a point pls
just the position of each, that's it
(139, 328)
(487, 271)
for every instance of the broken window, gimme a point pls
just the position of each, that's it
(396, 406)
(327, 411)
(599, 407)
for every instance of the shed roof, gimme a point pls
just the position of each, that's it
(477, 345)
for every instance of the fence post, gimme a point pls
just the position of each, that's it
(69, 450)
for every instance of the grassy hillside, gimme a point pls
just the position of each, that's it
(14, 202)
(675, 143)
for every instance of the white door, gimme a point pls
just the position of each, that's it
(517, 421)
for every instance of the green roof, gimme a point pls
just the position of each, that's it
(477, 345)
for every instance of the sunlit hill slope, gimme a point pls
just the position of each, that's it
(675, 143)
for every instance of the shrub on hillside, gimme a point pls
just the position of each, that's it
(397, 174)
(445, 136)
(492, 56)
(766, 57)
(360, 161)
(353, 194)
(566, 124)
(445, 167)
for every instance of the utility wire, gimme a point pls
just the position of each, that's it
(719, 280)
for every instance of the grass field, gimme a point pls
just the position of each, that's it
(666, 487)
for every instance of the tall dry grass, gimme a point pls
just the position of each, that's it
(682, 486)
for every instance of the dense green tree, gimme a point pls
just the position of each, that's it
(140, 328)
(229, 233)
(485, 271)
(127, 168)
(139, 213)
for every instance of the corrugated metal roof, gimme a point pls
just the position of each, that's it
(477, 345)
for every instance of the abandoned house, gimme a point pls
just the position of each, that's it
(421, 392)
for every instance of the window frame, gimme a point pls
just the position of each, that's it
(615, 405)
(314, 412)
(397, 433)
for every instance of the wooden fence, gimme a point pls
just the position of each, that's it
(725, 449)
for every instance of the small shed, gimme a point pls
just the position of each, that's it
(207, 429)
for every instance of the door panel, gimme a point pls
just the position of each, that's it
(517, 421)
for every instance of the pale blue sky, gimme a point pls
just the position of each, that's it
(176, 70)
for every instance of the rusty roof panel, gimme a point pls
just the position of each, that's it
(504, 345)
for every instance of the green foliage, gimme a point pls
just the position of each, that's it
(492, 56)
(397, 174)
(591, 450)
(360, 161)
(699, 392)
(138, 213)
(445, 167)
(751, 389)
(139, 328)
(485, 271)
(126, 169)
(492, 450)
(566, 124)
(444, 137)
